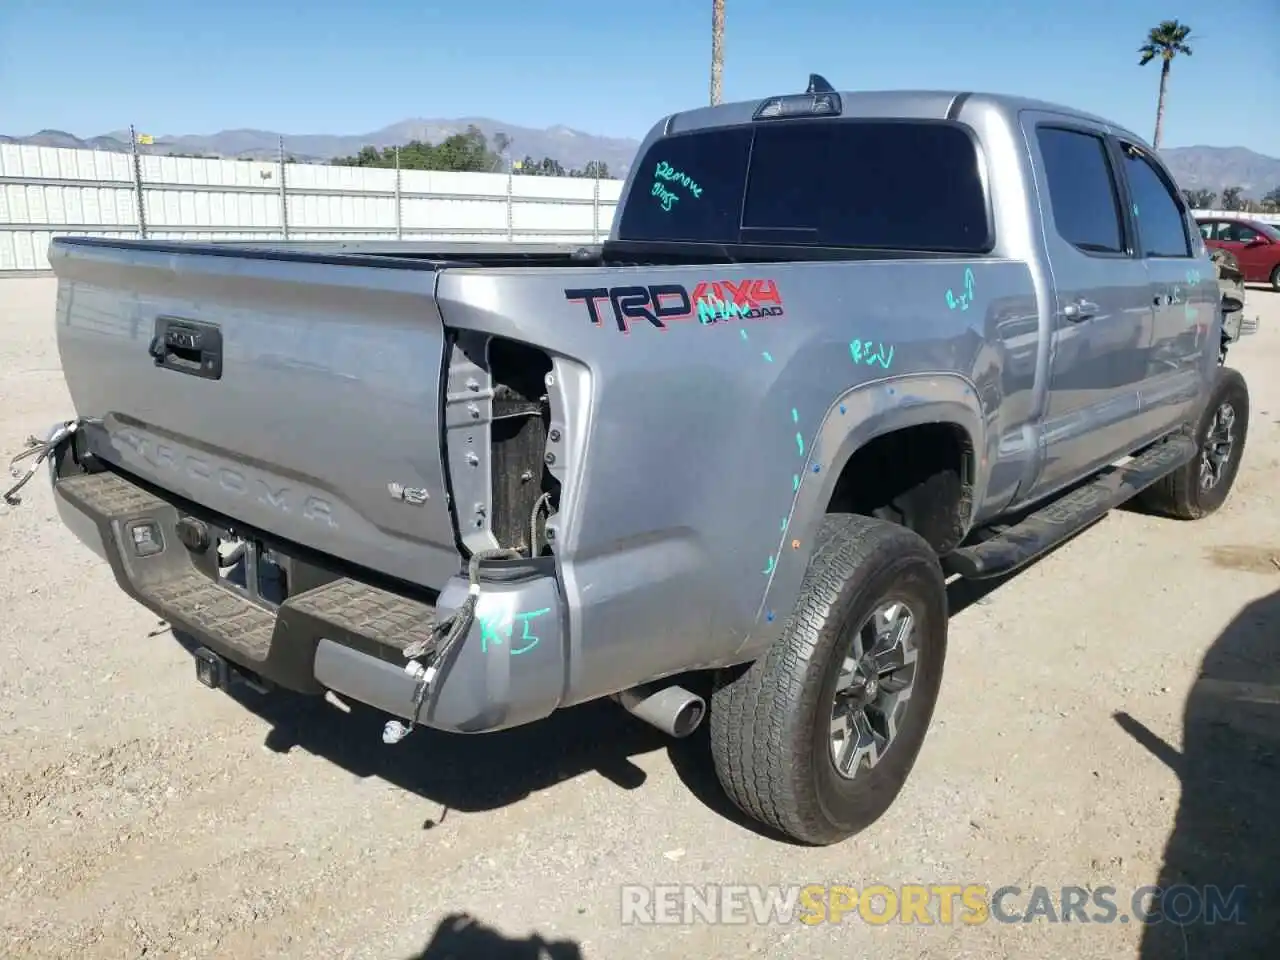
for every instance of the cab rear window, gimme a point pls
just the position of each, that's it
(902, 185)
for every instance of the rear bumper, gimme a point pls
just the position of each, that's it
(342, 635)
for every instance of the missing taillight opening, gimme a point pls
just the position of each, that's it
(524, 492)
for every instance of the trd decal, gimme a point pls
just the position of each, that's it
(663, 303)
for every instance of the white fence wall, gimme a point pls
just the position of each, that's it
(47, 191)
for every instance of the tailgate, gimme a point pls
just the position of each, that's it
(296, 393)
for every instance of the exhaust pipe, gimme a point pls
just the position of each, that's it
(672, 709)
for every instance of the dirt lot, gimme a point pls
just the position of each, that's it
(141, 814)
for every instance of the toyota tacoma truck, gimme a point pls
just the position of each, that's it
(838, 348)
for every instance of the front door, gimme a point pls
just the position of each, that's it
(1104, 306)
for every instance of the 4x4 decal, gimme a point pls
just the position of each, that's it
(711, 302)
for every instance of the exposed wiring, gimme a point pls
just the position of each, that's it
(39, 450)
(542, 501)
(444, 636)
(447, 633)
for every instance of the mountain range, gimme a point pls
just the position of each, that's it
(1198, 167)
(572, 148)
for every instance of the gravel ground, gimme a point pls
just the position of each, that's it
(143, 815)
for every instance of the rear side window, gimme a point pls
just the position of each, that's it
(1082, 191)
(903, 185)
(1162, 227)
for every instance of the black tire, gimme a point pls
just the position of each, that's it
(771, 724)
(1181, 494)
(1275, 279)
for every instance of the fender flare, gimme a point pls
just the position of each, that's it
(854, 419)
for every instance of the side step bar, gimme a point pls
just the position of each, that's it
(1061, 519)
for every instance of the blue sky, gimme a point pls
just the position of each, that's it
(610, 67)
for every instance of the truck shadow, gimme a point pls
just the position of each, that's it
(462, 937)
(474, 773)
(1227, 832)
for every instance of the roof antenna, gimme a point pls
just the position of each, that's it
(818, 84)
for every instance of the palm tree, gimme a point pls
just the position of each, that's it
(1166, 42)
(717, 49)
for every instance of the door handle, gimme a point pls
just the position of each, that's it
(187, 346)
(1080, 310)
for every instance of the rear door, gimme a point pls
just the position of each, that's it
(1104, 310)
(1184, 288)
(297, 394)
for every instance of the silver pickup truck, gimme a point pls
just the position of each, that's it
(837, 348)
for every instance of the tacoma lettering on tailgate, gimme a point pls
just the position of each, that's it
(166, 458)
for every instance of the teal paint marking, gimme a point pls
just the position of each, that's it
(795, 482)
(800, 444)
(768, 356)
(768, 567)
(664, 171)
(665, 197)
(744, 334)
(1193, 277)
(795, 415)
(870, 353)
(966, 296)
(714, 310)
(494, 628)
(784, 525)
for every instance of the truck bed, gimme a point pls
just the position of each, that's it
(392, 415)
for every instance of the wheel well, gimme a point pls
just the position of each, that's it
(920, 477)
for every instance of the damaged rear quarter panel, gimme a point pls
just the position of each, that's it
(702, 455)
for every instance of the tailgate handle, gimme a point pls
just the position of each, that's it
(188, 346)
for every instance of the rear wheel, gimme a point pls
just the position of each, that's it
(1275, 279)
(817, 738)
(1200, 487)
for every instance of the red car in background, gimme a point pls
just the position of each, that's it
(1254, 243)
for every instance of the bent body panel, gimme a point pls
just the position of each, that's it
(688, 447)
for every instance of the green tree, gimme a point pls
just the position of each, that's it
(467, 152)
(1231, 198)
(594, 170)
(546, 167)
(1200, 199)
(1164, 42)
(1271, 201)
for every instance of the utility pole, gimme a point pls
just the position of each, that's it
(399, 215)
(284, 196)
(137, 183)
(717, 49)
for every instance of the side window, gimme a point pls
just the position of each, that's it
(1162, 227)
(1082, 191)
(1206, 230)
(1239, 233)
